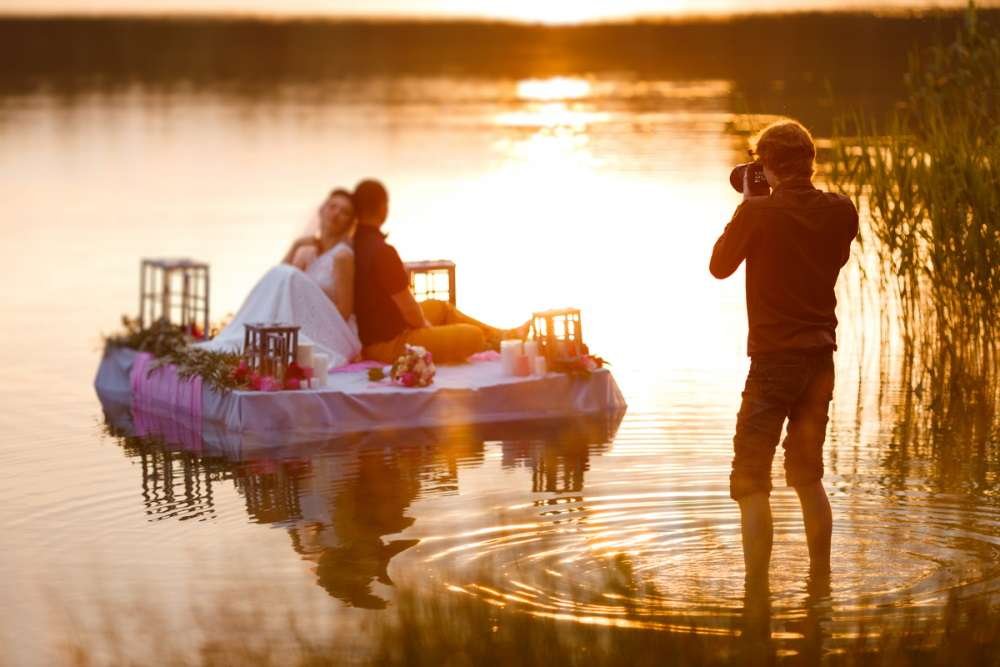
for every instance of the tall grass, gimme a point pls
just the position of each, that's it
(928, 176)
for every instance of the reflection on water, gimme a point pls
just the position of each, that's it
(342, 501)
(549, 182)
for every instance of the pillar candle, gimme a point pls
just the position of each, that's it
(304, 355)
(531, 350)
(522, 365)
(510, 350)
(540, 368)
(321, 366)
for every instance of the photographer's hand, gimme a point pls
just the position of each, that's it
(746, 185)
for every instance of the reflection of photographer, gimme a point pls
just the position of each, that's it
(795, 241)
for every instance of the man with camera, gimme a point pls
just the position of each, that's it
(794, 239)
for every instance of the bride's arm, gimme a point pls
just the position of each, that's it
(298, 243)
(343, 283)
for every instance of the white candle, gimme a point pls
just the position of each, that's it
(531, 349)
(510, 350)
(321, 366)
(540, 368)
(304, 355)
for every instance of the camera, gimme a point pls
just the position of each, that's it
(755, 178)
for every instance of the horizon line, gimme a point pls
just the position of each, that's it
(350, 17)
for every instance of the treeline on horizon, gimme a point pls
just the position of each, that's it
(853, 53)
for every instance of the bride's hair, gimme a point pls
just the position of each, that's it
(344, 193)
(312, 226)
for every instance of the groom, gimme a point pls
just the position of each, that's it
(388, 316)
(794, 242)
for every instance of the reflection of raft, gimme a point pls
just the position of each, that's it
(465, 395)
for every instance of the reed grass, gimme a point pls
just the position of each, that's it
(928, 176)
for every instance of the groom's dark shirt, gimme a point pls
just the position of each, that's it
(794, 243)
(378, 274)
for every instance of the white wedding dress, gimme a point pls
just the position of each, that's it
(287, 295)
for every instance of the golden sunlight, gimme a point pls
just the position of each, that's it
(555, 88)
(564, 12)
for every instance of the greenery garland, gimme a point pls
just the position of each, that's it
(170, 344)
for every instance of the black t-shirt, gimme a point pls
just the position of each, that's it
(794, 243)
(378, 274)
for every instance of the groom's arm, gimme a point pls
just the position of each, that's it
(396, 281)
(412, 314)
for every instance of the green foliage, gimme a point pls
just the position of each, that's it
(214, 368)
(159, 339)
(171, 344)
(928, 175)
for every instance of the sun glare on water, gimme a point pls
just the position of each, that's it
(555, 88)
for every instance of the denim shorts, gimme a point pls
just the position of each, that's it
(796, 385)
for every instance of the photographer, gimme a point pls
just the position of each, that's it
(795, 241)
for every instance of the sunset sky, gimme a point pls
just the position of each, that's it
(548, 11)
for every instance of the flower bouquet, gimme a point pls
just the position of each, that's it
(414, 368)
(581, 365)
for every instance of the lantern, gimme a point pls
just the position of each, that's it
(175, 290)
(432, 280)
(270, 347)
(559, 333)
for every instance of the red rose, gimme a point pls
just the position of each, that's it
(293, 383)
(241, 372)
(295, 372)
(255, 381)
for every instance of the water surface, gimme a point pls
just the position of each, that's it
(602, 190)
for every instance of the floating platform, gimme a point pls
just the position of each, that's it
(464, 395)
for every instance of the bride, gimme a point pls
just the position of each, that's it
(313, 287)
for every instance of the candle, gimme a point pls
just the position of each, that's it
(304, 355)
(522, 365)
(510, 350)
(321, 366)
(531, 350)
(540, 368)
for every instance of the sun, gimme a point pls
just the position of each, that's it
(563, 12)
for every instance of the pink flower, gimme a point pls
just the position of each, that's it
(408, 379)
(268, 383)
(255, 381)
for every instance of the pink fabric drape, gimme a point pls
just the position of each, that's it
(164, 405)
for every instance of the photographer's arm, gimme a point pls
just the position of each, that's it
(731, 248)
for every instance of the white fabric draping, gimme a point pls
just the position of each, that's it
(286, 294)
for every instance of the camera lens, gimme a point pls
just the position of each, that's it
(736, 177)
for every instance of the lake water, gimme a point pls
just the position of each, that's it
(605, 191)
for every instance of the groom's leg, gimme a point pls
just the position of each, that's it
(439, 313)
(449, 344)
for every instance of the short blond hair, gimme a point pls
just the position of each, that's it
(786, 148)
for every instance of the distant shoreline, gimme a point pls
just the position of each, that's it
(687, 18)
(797, 64)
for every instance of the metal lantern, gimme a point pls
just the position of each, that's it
(433, 279)
(270, 347)
(559, 333)
(175, 290)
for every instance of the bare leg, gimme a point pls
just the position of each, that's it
(818, 519)
(758, 535)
